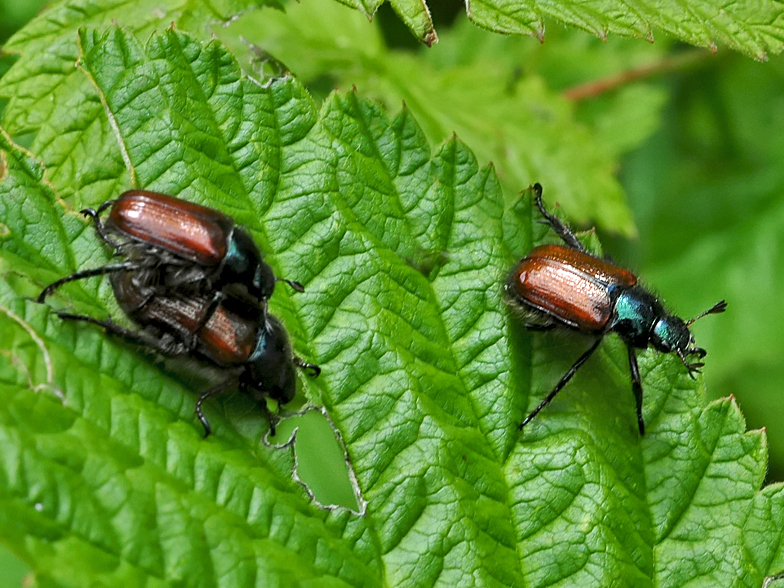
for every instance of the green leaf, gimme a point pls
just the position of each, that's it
(527, 129)
(45, 86)
(751, 29)
(403, 251)
(708, 195)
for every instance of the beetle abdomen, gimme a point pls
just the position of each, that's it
(568, 285)
(594, 267)
(228, 339)
(191, 231)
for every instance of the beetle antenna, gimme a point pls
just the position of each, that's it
(720, 306)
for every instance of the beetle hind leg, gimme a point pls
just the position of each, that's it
(166, 345)
(560, 228)
(562, 382)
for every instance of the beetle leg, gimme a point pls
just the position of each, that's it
(166, 346)
(96, 216)
(273, 422)
(636, 387)
(693, 368)
(206, 395)
(261, 401)
(293, 283)
(560, 228)
(98, 271)
(562, 382)
(315, 371)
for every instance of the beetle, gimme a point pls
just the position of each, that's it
(248, 345)
(565, 286)
(202, 249)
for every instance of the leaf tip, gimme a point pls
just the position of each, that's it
(540, 32)
(430, 38)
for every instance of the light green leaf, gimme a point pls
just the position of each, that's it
(469, 85)
(45, 86)
(403, 251)
(752, 29)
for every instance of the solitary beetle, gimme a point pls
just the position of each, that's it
(565, 286)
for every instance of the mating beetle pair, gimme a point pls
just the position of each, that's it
(565, 286)
(197, 285)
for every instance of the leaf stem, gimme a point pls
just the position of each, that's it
(682, 62)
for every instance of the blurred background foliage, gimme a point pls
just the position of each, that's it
(698, 139)
(13, 15)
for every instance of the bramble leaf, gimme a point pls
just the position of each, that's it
(403, 251)
(755, 30)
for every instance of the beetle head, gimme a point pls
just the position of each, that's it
(671, 334)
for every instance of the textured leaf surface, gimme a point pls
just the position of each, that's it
(754, 29)
(469, 85)
(47, 95)
(402, 251)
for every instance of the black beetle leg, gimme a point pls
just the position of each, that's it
(206, 395)
(273, 421)
(562, 382)
(293, 283)
(166, 346)
(636, 387)
(693, 368)
(98, 271)
(315, 371)
(560, 228)
(95, 215)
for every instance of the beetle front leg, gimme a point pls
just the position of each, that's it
(315, 371)
(295, 285)
(636, 387)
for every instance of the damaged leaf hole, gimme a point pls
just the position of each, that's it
(321, 463)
